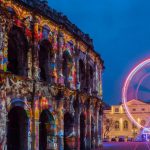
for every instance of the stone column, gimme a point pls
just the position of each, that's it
(77, 73)
(77, 123)
(60, 126)
(60, 58)
(88, 126)
(54, 59)
(96, 127)
(100, 126)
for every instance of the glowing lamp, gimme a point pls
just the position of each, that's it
(44, 102)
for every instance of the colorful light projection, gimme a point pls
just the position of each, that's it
(136, 87)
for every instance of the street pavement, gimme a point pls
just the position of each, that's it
(126, 146)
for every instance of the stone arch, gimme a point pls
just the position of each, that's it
(11, 10)
(17, 51)
(47, 131)
(68, 131)
(17, 128)
(82, 74)
(44, 59)
(82, 131)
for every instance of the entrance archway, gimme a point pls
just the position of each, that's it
(47, 139)
(69, 139)
(82, 131)
(17, 129)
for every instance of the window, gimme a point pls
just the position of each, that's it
(125, 124)
(143, 109)
(143, 122)
(116, 109)
(134, 126)
(117, 125)
(133, 109)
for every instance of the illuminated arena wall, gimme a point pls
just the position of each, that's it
(50, 80)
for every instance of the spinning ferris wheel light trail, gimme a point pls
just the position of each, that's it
(137, 75)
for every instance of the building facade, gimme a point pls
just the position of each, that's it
(116, 123)
(50, 80)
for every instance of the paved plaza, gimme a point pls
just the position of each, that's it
(126, 146)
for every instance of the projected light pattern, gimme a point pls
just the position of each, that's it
(137, 86)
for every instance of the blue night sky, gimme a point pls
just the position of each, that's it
(121, 33)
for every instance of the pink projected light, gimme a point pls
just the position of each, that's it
(125, 88)
(140, 82)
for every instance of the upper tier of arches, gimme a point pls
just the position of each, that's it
(40, 49)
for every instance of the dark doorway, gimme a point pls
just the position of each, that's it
(44, 60)
(47, 139)
(82, 74)
(17, 129)
(17, 52)
(82, 131)
(68, 132)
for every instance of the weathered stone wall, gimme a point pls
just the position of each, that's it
(42, 74)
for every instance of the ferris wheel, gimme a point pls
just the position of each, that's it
(137, 87)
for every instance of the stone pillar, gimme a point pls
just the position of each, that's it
(88, 127)
(37, 133)
(53, 58)
(77, 73)
(3, 44)
(53, 69)
(96, 128)
(61, 45)
(60, 126)
(100, 127)
(77, 123)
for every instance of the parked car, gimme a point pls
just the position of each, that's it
(129, 139)
(113, 140)
(105, 140)
(121, 139)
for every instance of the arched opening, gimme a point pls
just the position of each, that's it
(81, 74)
(17, 129)
(69, 138)
(92, 133)
(125, 125)
(82, 131)
(47, 139)
(17, 52)
(44, 60)
(117, 125)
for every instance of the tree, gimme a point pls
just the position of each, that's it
(108, 125)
